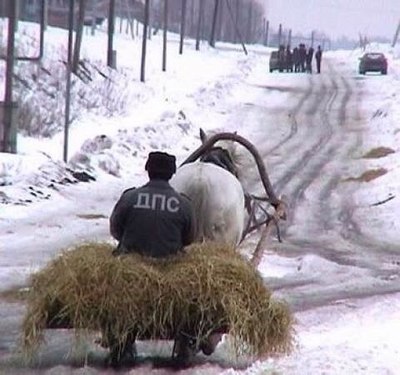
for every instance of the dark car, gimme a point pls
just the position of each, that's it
(373, 62)
(274, 61)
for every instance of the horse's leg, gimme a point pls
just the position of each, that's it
(120, 351)
(185, 349)
(209, 345)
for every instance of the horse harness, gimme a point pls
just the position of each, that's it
(220, 157)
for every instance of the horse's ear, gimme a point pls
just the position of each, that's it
(203, 136)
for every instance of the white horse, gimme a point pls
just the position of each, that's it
(218, 201)
(214, 187)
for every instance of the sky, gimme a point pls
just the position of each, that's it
(348, 337)
(336, 17)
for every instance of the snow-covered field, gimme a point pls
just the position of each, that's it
(42, 211)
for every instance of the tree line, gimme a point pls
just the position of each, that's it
(228, 19)
(213, 20)
(223, 20)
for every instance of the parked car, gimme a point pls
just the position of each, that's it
(274, 61)
(373, 62)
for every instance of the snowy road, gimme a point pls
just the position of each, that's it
(326, 266)
(310, 161)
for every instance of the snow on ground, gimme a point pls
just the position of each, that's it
(166, 113)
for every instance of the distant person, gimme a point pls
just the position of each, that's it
(309, 57)
(318, 57)
(296, 59)
(302, 57)
(289, 59)
(281, 57)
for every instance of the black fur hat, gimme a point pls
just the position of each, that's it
(160, 164)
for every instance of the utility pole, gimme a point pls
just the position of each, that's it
(280, 35)
(249, 32)
(396, 35)
(183, 24)
(43, 25)
(220, 21)
(214, 23)
(144, 39)
(69, 72)
(111, 26)
(94, 14)
(199, 23)
(79, 35)
(45, 13)
(164, 58)
(8, 131)
(236, 21)
(236, 28)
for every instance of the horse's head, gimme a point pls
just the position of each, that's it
(225, 154)
(220, 157)
(241, 161)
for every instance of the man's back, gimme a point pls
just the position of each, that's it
(153, 220)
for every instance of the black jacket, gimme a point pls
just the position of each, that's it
(153, 220)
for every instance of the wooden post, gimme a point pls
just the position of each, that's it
(8, 139)
(236, 21)
(280, 35)
(183, 24)
(43, 26)
(249, 32)
(214, 22)
(94, 13)
(144, 40)
(69, 72)
(79, 35)
(199, 23)
(396, 35)
(220, 18)
(45, 13)
(236, 28)
(164, 59)
(111, 26)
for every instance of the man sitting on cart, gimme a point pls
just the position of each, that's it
(157, 221)
(154, 219)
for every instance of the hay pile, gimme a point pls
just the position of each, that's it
(211, 287)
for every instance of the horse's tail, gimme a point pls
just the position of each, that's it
(198, 196)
